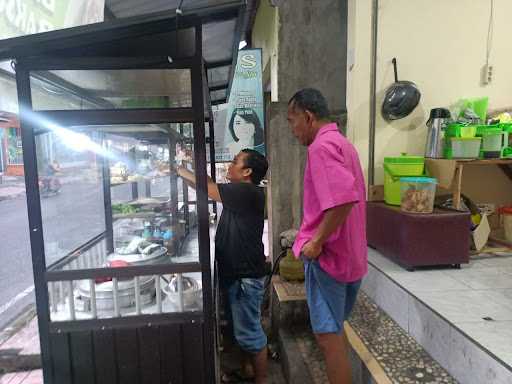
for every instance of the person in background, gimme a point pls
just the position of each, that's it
(332, 237)
(240, 256)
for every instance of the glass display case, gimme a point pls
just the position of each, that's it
(121, 246)
(123, 205)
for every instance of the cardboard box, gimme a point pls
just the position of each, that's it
(481, 233)
(443, 170)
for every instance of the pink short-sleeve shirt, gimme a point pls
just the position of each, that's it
(333, 177)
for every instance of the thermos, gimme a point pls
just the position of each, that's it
(439, 118)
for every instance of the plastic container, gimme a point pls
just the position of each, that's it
(418, 194)
(482, 129)
(507, 222)
(394, 169)
(493, 143)
(466, 148)
(460, 130)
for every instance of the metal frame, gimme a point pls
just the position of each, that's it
(198, 81)
(40, 44)
(34, 218)
(43, 276)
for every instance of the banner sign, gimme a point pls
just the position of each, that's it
(24, 17)
(239, 124)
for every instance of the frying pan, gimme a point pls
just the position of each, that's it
(401, 98)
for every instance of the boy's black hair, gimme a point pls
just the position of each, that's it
(257, 162)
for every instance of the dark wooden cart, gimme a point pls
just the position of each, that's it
(161, 344)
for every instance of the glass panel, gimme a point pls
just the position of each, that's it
(219, 74)
(154, 216)
(113, 298)
(218, 95)
(111, 89)
(14, 147)
(71, 190)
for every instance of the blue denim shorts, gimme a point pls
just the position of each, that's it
(330, 301)
(244, 299)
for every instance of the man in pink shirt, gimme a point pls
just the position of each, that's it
(332, 236)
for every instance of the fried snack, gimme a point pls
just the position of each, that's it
(417, 200)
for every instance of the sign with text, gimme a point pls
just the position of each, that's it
(25, 17)
(239, 124)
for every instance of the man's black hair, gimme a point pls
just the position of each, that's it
(312, 100)
(257, 162)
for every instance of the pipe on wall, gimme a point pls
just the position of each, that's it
(373, 92)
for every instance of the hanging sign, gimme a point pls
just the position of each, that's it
(239, 124)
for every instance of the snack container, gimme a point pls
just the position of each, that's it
(418, 194)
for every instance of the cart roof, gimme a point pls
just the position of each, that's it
(223, 22)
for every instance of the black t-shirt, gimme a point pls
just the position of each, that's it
(238, 241)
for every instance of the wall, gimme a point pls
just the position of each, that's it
(311, 42)
(441, 46)
(265, 36)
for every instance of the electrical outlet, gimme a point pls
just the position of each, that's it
(487, 74)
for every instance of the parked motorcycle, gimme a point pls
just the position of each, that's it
(49, 186)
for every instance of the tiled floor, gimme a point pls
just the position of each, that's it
(477, 299)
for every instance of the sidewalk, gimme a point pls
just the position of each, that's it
(32, 377)
(7, 193)
(20, 356)
(11, 187)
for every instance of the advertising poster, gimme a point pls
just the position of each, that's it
(239, 124)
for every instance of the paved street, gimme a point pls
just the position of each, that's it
(15, 261)
(69, 219)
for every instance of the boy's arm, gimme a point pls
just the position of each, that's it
(213, 189)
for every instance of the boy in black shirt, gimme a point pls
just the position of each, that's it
(239, 251)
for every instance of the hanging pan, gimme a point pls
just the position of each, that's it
(401, 98)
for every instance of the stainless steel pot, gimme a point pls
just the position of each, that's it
(191, 291)
(105, 294)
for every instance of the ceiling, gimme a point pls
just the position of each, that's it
(127, 8)
(216, 48)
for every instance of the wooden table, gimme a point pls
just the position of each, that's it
(504, 164)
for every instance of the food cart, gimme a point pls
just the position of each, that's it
(121, 252)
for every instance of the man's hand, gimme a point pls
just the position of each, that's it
(312, 250)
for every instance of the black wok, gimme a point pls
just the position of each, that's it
(401, 98)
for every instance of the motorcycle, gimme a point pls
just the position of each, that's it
(49, 186)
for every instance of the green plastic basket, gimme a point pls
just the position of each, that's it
(394, 169)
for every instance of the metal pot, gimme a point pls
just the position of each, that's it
(191, 291)
(158, 256)
(105, 294)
